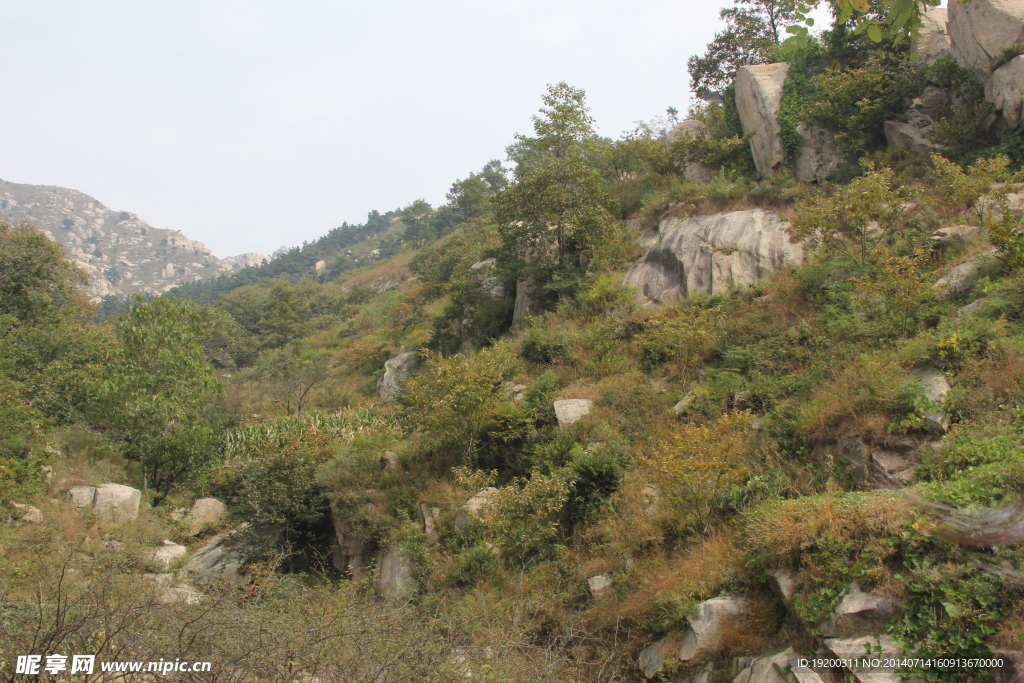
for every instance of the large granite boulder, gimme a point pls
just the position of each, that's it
(768, 669)
(960, 278)
(652, 659)
(819, 155)
(82, 496)
(220, 559)
(707, 253)
(1005, 90)
(980, 29)
(116, 503)
(691, 170)
(933, 42)
(912, 136)
(758, 98)
(205, 512)
(704, 637)
(389, 386)
(167, 553)
(395, 577)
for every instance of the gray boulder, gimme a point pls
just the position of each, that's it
(964, 233)
(855, 650)
(205, 512)
(704, 637)
(220, 559)
(783, 585)
(652, 659)
(600, 587)
(572, 410)
(959, 279)
(525, 303)
(758, 98)
(691, 170)
(395, 576)
(934, 388)
(973, 307)
(429, 524)
(819, 155)
(708, 253)
(27, 513)
(933, 41)
(1005, 90)
(768, 669)
(980, 29)
(82, 496)
(116, 503)
(389, 386)
(859, 614)
(166, 554)
(473, 507)
(890, 470)
(484, 274)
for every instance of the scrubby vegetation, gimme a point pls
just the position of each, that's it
(719, 444)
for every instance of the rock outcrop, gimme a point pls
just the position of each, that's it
(819, 155)
(485, 275)
(220, 559)
(600, 587)
(1005, 90)
(205, 512)
(980, 29)
(525, 302)
(468, 512)
(758, 98)
(116, 503)
(860, 613)
(652, 659)
(768, 669)
(960, 278)
(704, 637)
(691, 170)
(934, 388)
(395, 577)
(27, 513)
(166, 554)
(572, 410)
(933, 42)
(82, 496)
(389, 386)
(707, 253)
(911, 136)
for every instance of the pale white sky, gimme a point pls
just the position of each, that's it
(251, 125)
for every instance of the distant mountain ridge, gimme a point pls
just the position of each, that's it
(122, 253)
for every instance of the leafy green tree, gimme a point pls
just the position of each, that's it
(454, 400)
(37, 282)
(282, 317)
(419, 229)
(155, 382)
(289, 376)
(750, 36)
(556, 213)
(228, 345)
(897, 20)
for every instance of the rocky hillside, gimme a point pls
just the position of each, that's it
(122, 253)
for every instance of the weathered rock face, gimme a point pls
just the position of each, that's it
(395, 370)
(27, 513)
(768, 669)
(1005, 89)
(980, 29)
(964, 233)
(911, 136)
(525, 303)
(783, 585)
(853, 649)
(933, 387)
(706, 629)
(706, 253)
(959, 279)
(933, 43)
(758, 98)
(82, 496)
(116, 503)
(859, 614)
(693, 170)
(819, 155)
(484, 273)
(395, 576)
(205, 512)
(652, 659)
(572, 410)
(472, 508)
(220, 559)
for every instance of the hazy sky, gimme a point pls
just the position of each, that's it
(251, 125)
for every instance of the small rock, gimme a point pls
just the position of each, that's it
(518, 392)
(652, 659)
(705, 632)
(181, 594)
(934, 388)
(600, 587)
(859, 614)
(768, 669)
(684, 401)
(28, 513)
(167, 554)
(891, 470)
(82, 496)
(112, 545)
(389, 461)
(572, 410)
(783, 585)
(116, 503)
(204, 513)
(973, 307)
